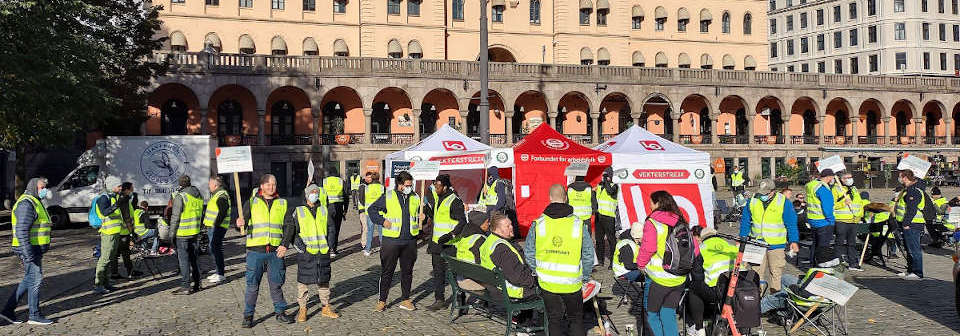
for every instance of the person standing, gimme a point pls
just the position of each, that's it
(267, 214)
(606, 226)
(355, 181)
(337, 199)
(449, 219)
(770, 217)
(123, 246)
(737, 180)
(397, 212)
(848, 211)
(308, 231)
(144, 228)
(108, 209)
(216, 218)
(370, 193)
(581, 197)
(661, 295)
(820, 217)
(496, 198)
(31, 239)
(559, 249)
(909, 215)
(185, 221)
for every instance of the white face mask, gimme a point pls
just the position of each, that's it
(406, 190)
(312, 198)
(848, 182)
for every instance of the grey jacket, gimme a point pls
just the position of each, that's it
(26, 215)
(177, 207)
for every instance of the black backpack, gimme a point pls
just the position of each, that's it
(508, 194)
(929, 209)
(746, 300)
(678, 255)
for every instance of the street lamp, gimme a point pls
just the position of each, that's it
(484, 107)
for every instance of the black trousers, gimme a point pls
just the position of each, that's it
(846, 243)
(391, 254)
(336, 217)
(606, 234)
(702, 299)
(123, 252)
(564, 313)
(187, 257)
(439, 272)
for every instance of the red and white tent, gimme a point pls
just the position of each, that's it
(540, 160)
(644, 163)
(460, 157)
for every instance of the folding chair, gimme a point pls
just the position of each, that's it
(814, 315)
(142, 258)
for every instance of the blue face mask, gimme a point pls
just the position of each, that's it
(764, 198)
(43, 193)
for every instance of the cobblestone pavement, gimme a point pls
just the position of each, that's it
(884, 305)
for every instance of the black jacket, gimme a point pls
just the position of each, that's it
(912, 198)
(291, 228)
(512, 266)
(373, 210)
(457, 213)
(287, 220)
(627, 257)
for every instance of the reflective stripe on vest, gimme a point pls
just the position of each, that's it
(654, 268)
(491, 197)
(879, 217)
(213, 210)
(139, 227)
(619, 268)
(718, 257)
(581, 203)
(372, 194)
(313, 229)
(841, 211)
(190, 215)
(442, 223)
(814, 208)
(901, 209)
(395, 215)
(606, 204)
(333, 186)
(266, 225)
(486, 251)
(111, 222)
(767, 223)
(736, 179)
(39, 229)
(558, 244)
(464, 245)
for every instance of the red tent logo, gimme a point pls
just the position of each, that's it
(453, 145)
(524, 157)
(651, 145)
(556, 144)
(601, 159)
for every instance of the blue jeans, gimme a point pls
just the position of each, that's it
(30, 285)
(257, 264)
(371, 228)
(152, 235)
(633, 275)
(662, 322)
(779, 300)
(915, 253)
(216, 234)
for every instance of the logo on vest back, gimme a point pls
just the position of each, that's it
(163, 162)
(557, 241)
(556, 144)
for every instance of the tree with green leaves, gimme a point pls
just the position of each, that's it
(71, 66)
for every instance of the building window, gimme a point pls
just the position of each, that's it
(725, 23)
(820, 17)
(246, 3)
(747, 24)
(821, 67)
(393, 7)
(874, 64)
(789, 47)
(941, 8)
(836, 14)
(838, 66)
(804, 67)
(853, 11)
(956, 62)
(789, 26)
(854, 65)
(497, 13)
(309, 5)
(458, 10)
(636, 21)
(659, 23)
(953, 7)
(413, 8)
(773, 50)
(773, 26)
(773, 5)
(898, 6)
(213, 2)
(535, 11)
(943, 32)
(872, 34)
(340, 6)
(803, 20)
(899, 31)
(854, 37)
(901, 59)
(943, 61)
(837, 40)
(277, 4)
(956, 33)
(790, 68)
(682, 25)
(602, 17)
(926, 61)
(705, 26)
(804, 45)
(584, 16)
(923, 6)
(925, 29)
(872, 7)
(821, 44)
(178, 1)
(774, 69)
(789, 4)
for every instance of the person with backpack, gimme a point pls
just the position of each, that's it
(606, 227)
(559, 249)
(497, 196)
(936, 227)
(770, 217)
(716, 258)
(662, 258)
(31, 228)
(909, 213)
(108, 210)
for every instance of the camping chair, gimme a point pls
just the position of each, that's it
(814, 315)
(143, 259)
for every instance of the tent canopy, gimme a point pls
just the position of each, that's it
(638, 141)
(460, 157)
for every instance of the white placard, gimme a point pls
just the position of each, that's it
(754, 254)
(953, 216)
(234, 159)
(524, 191)
(577, 169)
(832, 288)
(424, 170)
(917, 165)
(834, 163)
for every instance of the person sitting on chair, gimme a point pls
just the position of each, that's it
(716, 258)
(879, 216)
(145, 229)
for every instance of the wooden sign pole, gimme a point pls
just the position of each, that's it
(236, 188)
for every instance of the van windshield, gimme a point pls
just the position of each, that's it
(82, 177)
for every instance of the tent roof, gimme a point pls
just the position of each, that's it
(637, 141)
(544, 140)
(445, 141)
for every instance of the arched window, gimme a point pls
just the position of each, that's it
(394, 50)
(840, 123)
(310, 47)
(725, 23)
(638, 60)
(178, 42)
(229, 118)
(705, 19)
(603, 56)
(661, 60)
(747, 24)
(749, 63)
(728, 62)
(278, 46)
(660, 18)
(535, 11)
(586, 56)
(603, 9)
(586, 7)
(414, 49)
(281, 122)
(706, 61)
(246, 45)
(637, 18)
(212, 41)
(340, 48)
(683, 18)
(173, 115)
(683, 61)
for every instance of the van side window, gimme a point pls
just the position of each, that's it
(85, 176)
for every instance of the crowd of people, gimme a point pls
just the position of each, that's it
(556, 258)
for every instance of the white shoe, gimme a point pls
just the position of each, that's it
(902, 274)
(212, 276)
(366, 253)
(912, 276)
(701, 332)
(691, 330)
(216, 278)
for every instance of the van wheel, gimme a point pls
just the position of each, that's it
(59, 217)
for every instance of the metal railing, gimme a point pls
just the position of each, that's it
(768, 139)
(582, 139)
(518, 137)
(280, 140)
(869, 140)
(391, 139)
(236, 140)
(804, 140)
(341, 139)
(935, 140)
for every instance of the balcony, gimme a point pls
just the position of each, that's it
(869, 140)
(341, 139)
(281, 140)
(391, 139)
(582, 139)
(734, 139)
(607, 137)
(837, 140)
(236, 140)
(900, 140)
(935, 140)
(804, 140)
(768, 139)
(694, 139)
(495, 139)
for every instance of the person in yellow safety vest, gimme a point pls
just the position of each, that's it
(267, 214)
(821, 219)
(108, 209)
(625, 267)
(369, 193)
(449, 219)
(31, 228)
(770, 217)
(126, 228)
(581, 197)
(493, 194)
(716, 257)
(468, 248)
(664, 291)
(737, 180)
(185, 221)
(909, 215)
(397, 211)
(499, 252)
(145, 229)
(560, 250)
(937, 228)
(338, 198)
(355, 181)
(880, 218)
(951, 226)
(308, 232)
(605, 229)
(216, 219)
(847, 209)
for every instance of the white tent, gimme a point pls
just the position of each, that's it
(460, 157)
(644, 163)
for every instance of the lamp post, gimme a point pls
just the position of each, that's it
(484, 108)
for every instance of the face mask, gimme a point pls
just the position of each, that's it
(313, 198)
(406, 190)
(43, 193)
(848, 182)
(764, 198)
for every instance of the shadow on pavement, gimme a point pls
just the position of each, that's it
(912, 294)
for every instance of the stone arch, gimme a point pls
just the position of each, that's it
(341, 113)
(657, 113)
(392, 112)
(501, 53)
(573, 116)
(732, 118)
(288, 115)
(872, 115)
(615, 113)
(956, 123)
(934, 125)
(805, 120)
(438, 107)
(497, 115)
(902, 115)
(233, 98)
(838, 119)
(695, 111)
(769, 120)
(530, 110)
(160, 100)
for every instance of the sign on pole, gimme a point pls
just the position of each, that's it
(235, 160)
(916, 164)
(834, 163)
(577, 169)
(424, 170)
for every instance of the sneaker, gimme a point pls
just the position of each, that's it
(101, 290)
(247, 322)
(407, 305)
(10, 317)
(40, 321)
(366, 253)
(691, 330)
(380, 306)
(902, 274)
(856, 268)
(284, 318)
(216, 278)
(437, 305)
(333, 255)
(183, 291)
(912, 276)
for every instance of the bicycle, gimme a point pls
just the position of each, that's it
(727, 325)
